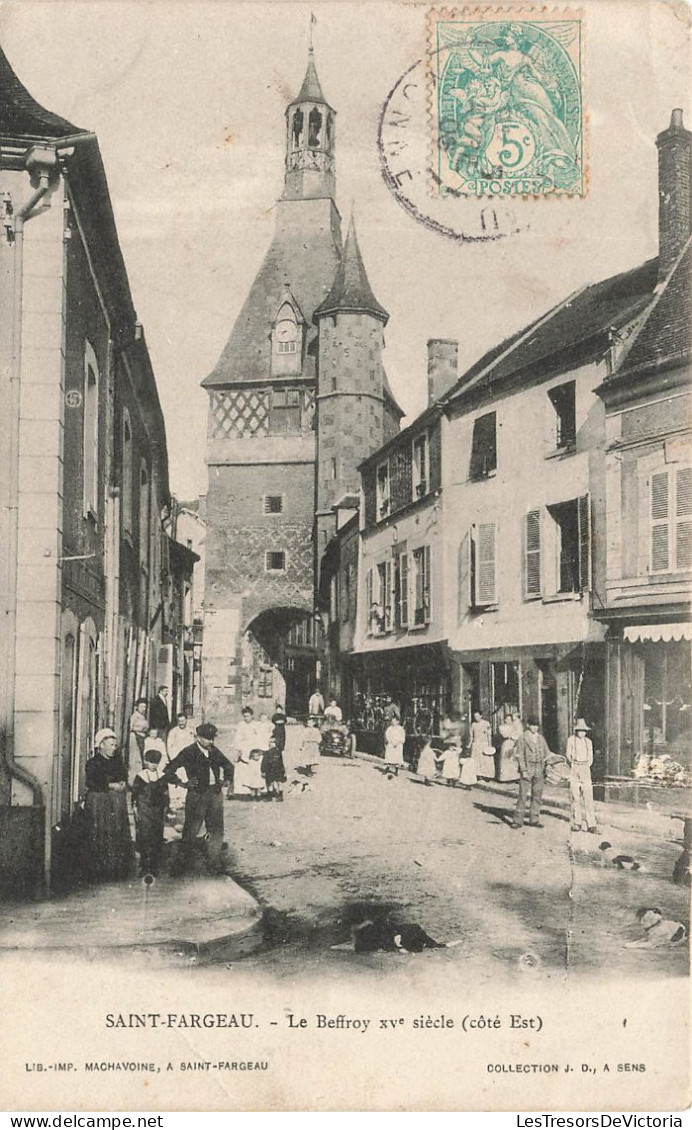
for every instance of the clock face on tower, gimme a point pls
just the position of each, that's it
(286, 330)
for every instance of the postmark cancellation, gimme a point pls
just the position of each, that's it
(506, 110)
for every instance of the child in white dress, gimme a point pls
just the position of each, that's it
(394, 738)
(427, 762)
(253, 775)
(450, 764)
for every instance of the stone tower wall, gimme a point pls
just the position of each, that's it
(350, 413)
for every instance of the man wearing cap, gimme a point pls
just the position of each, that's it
(207, 770)
(530, 753)
(579, 756)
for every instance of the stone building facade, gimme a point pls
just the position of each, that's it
(84, 561)
(297, 397)
(648, 573)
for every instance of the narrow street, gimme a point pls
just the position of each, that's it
(351, 843)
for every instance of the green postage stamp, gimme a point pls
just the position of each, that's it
(506, 102)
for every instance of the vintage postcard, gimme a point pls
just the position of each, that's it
(346, 552)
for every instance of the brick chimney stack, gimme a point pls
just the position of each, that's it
(674, 191)
(443, 363)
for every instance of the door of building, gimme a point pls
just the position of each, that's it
(548, 700)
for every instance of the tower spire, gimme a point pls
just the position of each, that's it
(310, 123)
(351, 291)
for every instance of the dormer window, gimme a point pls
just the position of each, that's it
(286, 341)
(286, 335)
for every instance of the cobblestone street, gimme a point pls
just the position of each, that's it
(354, 843)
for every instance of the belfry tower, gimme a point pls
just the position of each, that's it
(261, 638)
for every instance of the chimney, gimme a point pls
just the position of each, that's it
(674, 192)
(443, 361)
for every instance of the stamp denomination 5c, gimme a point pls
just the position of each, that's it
(506, 108)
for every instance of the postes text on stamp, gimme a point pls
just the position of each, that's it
(506, 110)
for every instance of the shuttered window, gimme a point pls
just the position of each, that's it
(670, 509)
(401, 589)
(384, 576)
(532, 553)
(660, 561)
(465, 594)
(284, 411)
(369, 600)
(683, 518)
(584, 536)
(484, 567)
(484, 447)
(421, 585)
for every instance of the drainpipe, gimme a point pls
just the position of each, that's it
(41, 161)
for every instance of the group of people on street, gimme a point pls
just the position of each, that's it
(182, 762)
(259, 745)
(523, 757)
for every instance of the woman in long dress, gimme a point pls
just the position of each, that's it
(394, 738)
(508, 769)
(481, 747)
(109, 852)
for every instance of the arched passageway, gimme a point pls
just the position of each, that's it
(283, 651)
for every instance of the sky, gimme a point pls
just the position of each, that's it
(188, 100)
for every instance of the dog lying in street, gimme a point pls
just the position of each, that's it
(658, 931)
(611, 857)
(370, 937)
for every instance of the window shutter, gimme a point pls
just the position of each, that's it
(584, 535)
(427, 588)
(532, 553)
(660, 557)
(683, 515)
(484, 580)
(401, 566)
(368, 600)
(387, 596)
(465, 594)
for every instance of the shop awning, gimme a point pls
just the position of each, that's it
(657, 633)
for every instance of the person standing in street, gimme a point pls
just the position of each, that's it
(316, 704)
(530, 753)
(394, 738)
(247, 738)
(150, 801)
(482, 754)
(207, 770)
(180, 735)
(159, 718)
(108, 849)
(510, 733)
(279, 733)
(139, 728)
(579, 756)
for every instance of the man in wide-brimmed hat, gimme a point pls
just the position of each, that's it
(579, 756)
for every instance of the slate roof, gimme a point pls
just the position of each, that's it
(21, 116)
(389, 395)
(576, 331)
(665, 335)
(308, 264)
(351, 291)
(311, 90)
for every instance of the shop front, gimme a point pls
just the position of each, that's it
(557, 683)
(415, 679)
(650, 705)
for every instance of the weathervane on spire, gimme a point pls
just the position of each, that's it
(313, 21)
